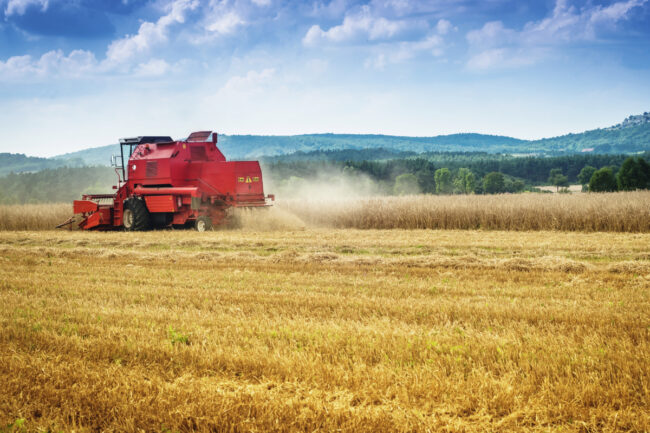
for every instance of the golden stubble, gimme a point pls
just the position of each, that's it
(323, 330)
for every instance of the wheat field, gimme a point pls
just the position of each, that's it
(325, 330)
(613, 212)
(619, 212)
(34, 216)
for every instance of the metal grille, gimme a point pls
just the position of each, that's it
(197, 153)
(151, 169)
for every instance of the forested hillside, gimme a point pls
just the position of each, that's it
(534, 170)
(378, 176)
(236, 146)
(635, 138)
(518, 173)
(630, 136)
(55, 185)
(19, 163)
(255, 146)
(94, 155)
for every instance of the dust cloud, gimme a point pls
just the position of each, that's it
(326, 186)
(324, 189)
(264, 219)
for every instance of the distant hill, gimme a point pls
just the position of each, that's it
(253, 146)
(256, 146)
(55, 185)
(635, 120)
(94, 155)
(340, 155)
(630, 136)
(19, 163)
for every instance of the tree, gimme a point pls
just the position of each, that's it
(443, 181)
(406, 184)
(516, 186)
(645, 168)
(557, 179)
(634, 174)
(470, 183)
(603, 180)
(585, 174)
(426, 181)
(465, 181)
(494, 183)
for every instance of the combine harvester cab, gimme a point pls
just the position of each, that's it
(167, 182)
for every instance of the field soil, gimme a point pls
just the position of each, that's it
(325, 330)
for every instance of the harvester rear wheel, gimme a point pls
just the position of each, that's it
(136, 217)
(203, 223)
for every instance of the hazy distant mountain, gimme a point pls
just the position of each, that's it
(630, 136)
(630, 121)
(627, 137)
(19, 163)
(255, 146)
(252, 146)
(94, 155)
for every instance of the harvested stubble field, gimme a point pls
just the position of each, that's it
(325, 330)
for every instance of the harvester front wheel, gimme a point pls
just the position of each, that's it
(136, 217)
(203, 223)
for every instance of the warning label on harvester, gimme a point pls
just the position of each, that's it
(248, 179)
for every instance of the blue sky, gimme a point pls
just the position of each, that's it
(82, 73)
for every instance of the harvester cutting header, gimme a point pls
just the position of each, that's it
(167, 182)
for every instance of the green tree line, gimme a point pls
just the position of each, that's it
(394, 176)
(55, 185)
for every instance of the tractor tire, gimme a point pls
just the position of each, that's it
(203, 224)
(136, 217)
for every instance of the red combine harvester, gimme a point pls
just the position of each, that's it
(167, 182)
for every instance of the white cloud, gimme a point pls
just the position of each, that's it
(152, 68)
(149, 33)
(222, 18)
(331, 9)
(393, 40)
(17, 66)
(403, 51)
(443, 27)
(262, 2)
(356, 27)
(568, 24)
(226, 23)
(432, 44)
(495, 45)
(123, 53)
(251, 83)
(411, 8)
(19, 6)
(376, 62)
(492, 33)
(52, 63)
(79, 63)
(504, 58)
